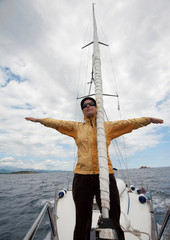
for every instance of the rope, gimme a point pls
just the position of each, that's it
(135, 232)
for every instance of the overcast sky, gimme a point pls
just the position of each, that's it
(42, 74)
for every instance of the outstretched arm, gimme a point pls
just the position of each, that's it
(68, 128)
(156, 120)
(32, 119)
(118, 128)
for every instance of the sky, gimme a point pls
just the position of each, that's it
(43, 70)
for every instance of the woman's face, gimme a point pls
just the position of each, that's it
(89, 110)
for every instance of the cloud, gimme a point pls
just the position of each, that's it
(43, 70)
(51, 164)
(7, 159)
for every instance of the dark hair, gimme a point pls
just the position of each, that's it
(87, 98)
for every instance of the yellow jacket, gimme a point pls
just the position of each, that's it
(84, 134)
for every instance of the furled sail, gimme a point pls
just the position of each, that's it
(101, 139)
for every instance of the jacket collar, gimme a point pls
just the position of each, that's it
(87, 119)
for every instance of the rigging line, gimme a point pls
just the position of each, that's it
(111, 60)
(123, 138)
(89, 31)
(113, 72)
(82, 74)
(114, 139)
(87, 67)
(122, 158)
(117, 153)
(75, 148)
(118, 150)
(78, 80)
(119, 109)
(110, 56)
(83, 71)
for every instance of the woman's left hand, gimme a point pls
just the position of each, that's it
(156, 120)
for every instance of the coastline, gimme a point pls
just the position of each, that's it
(20, 172)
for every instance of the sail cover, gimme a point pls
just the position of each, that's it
(101, 139)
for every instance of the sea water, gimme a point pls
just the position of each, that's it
(22, 197)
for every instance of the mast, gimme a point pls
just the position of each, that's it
(101, 139)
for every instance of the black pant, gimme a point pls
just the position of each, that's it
(85, 187)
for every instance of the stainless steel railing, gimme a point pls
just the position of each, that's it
(164, 226)
(31, 233)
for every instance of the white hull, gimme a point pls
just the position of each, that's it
(136, 218)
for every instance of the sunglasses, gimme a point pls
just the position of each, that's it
(90, 104)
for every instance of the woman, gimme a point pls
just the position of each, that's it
(86, 178)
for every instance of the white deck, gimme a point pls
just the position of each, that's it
(66, 217)
(135, 217)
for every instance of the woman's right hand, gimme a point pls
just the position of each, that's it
(32, 119)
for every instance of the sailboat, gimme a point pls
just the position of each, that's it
(137, 216)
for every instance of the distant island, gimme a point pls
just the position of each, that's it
(15, 170)
(144, 167)
(23, 172)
